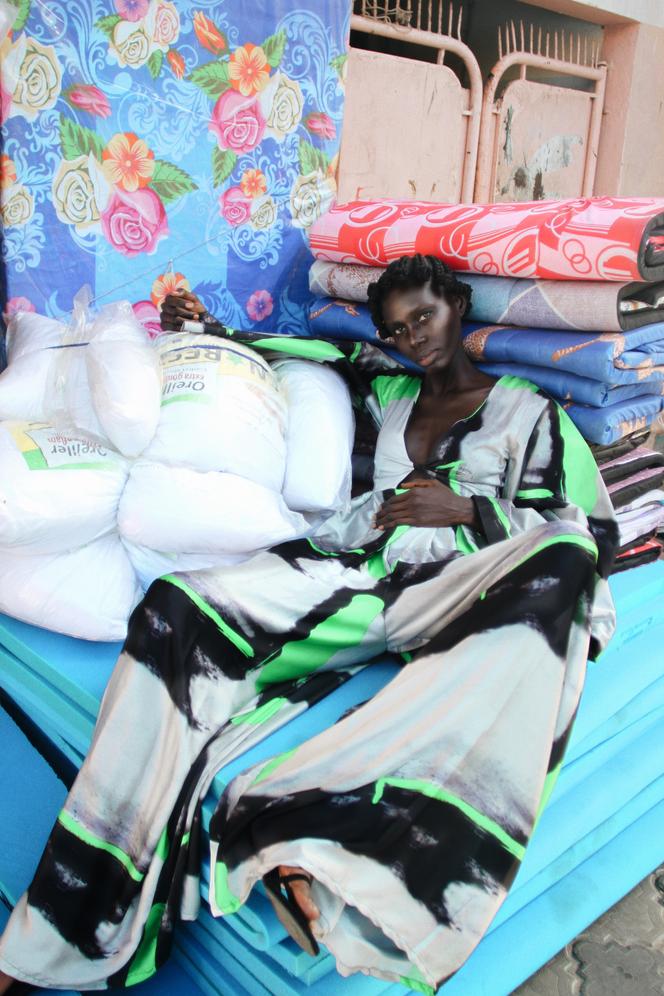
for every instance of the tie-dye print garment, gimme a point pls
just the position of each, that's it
(412, 812)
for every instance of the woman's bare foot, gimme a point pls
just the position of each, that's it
(301, 890)
(5, 982)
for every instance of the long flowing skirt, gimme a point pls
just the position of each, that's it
(412, 813)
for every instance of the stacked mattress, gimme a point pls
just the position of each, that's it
(569, 294)
(602, 831)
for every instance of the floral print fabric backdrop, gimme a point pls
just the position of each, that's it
(150, 144)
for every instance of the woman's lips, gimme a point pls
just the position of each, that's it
(426, 359)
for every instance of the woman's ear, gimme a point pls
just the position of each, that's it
(462, 305)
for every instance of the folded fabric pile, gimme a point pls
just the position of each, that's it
(634, 476)
(123, 459)
(569, 294)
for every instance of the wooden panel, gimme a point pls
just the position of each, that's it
(542, 136)
(404, 130)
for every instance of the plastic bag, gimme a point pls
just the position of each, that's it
(221, 409)
(88, 593)
(47, 378)
(58, 489)
(152, 564)
(124, 379)
(179, 510)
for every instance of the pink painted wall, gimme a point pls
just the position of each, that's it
(631, 148)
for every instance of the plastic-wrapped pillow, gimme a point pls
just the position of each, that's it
(221, 409)
(48, 384)
(28, 332)
(319, 439)
(152, 564)
(124, 379)
(58, 489)
(88, 593)
(179, 510)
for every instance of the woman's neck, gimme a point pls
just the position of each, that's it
(460, 376)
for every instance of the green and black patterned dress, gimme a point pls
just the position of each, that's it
(412, 812)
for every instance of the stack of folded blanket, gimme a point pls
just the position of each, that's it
(634, 476)
(569, 294)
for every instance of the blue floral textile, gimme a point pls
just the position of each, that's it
(140, 132)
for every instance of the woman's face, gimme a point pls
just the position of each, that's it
(424, 327)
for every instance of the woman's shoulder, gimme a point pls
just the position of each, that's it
(514, 391)
(395, 387)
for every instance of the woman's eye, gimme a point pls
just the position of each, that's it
(424, 317)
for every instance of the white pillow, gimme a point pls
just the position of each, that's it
(58, 489)
(221, 409)
(179, 510)
(319, 439)
(124, 378)
(88, 593)
(152, 564)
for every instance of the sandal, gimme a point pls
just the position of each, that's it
(289, 913)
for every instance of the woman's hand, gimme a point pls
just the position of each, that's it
(426, 503)
(178, 307)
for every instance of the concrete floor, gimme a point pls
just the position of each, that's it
(621, 954)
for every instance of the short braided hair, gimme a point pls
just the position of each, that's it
(414, 271)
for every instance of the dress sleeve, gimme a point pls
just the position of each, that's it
(553, 476)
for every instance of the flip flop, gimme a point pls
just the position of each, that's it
(289, 913)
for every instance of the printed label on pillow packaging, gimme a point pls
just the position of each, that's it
(192, 364)
(43, 447)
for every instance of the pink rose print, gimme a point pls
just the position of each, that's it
(5, 103)
(89, 98)
(321, 124)
(132, 10)
(146, 313)
(237, 122)
(260, 305)
(16, 304)
(235, 206)
(134, 221)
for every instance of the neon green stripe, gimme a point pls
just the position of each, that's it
(331, 553)
(388, 389)
(75, 828)
(163, 847)
(534, 493)
(549, 785)
(587, 544)
(271, 765)
(513, 382)
(224, 898)
(143, 964)
(356, 352)
(453, 468)
(310, 349)
(235, 638)
(345, 628)
(579, 467)
(435, 792)
(185, 838)
(262, 713)
(376, 564)
(416, 985)
(500, 515)
(462, 542)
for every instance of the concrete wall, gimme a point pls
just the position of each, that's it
(631, 149)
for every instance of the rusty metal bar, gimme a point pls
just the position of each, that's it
(443, 43)
(489, 137)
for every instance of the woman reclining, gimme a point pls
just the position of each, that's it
(479, 559)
